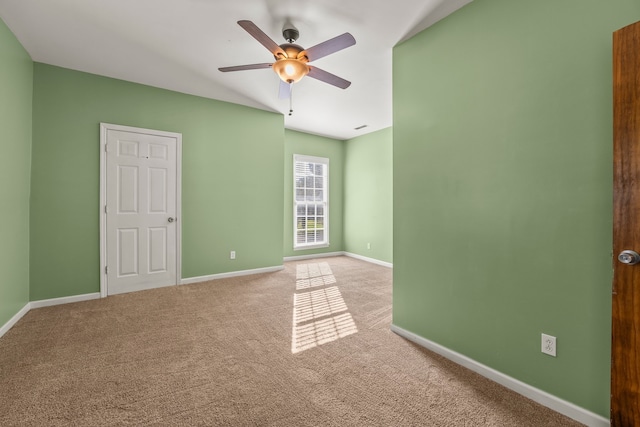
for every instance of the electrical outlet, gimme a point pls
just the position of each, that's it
(368, 245)
(232, 255)
(549, 345)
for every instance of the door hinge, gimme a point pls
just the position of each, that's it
(106, 270)
(106, 148)
(106, 209)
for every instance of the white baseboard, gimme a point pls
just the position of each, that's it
(371, 260)
(85, 297)
(64, 300)
(45, 303)
(341, 253)
(312, 256)
(19, 315)
(198, 279)
(550, 401)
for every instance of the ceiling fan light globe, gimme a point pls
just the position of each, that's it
(290, 70)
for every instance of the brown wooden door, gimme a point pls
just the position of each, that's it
(625, 363)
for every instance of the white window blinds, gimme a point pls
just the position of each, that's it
(311, 195)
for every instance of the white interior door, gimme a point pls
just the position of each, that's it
(141, 213)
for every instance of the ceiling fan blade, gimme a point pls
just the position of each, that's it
(284, 91)
(328, 47)
(327, 77)
(246, 67)
(264, 39)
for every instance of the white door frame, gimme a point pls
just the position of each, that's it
(104, 127)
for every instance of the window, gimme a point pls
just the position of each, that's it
(310, 210)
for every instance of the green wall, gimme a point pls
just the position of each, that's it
(503, 188)
(312, 145)
(232, 176)
(16, 77)
(368, 195)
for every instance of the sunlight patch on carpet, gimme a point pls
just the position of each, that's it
(316, 304)
(319, 316)
(314, 275)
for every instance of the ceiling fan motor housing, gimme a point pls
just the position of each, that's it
(293, 51)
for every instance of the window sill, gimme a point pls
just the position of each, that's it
(306, 247)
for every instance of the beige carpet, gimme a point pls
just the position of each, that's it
(307, 346)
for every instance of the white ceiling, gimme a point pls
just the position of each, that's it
(180, 44)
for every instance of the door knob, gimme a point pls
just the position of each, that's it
(629, 257)
(173, 219)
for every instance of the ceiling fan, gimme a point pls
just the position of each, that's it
(292, 60)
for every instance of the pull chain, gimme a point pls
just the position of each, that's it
(290, 99)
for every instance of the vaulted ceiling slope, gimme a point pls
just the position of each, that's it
(180, 44)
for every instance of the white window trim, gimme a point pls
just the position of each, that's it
(307, 246)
